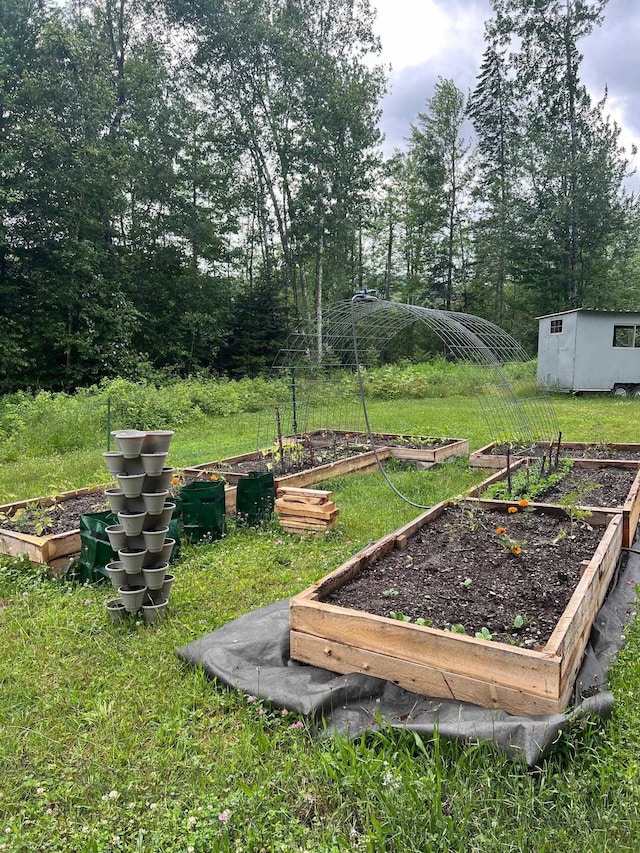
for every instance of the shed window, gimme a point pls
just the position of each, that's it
(555, 327)
(624, 336)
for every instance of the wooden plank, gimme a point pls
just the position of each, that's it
(292, 527)
(599, 516)
(50, 500)
(631, 513)
(304, 523)
(61, 545)
(327, 511)
(230, 460)
(419, 678)
(363, 464)
(230, 494)
(457, 448)
(476, 491)
(589, 594)
(484, 458)
(14, 544)
(496, 663)
(315, 496)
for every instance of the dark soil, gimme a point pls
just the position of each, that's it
(606, 487)
(592, 451)
(322, 449)
(451, 574)
(293, 461)
(413, 442)
(62, 517)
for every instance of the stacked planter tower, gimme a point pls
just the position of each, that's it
(140, 574)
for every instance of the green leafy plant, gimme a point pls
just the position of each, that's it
(401, 617)
(484, 634)
(530, 482)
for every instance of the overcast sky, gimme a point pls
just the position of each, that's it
(426, 39)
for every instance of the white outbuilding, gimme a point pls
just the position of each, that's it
(585, 350)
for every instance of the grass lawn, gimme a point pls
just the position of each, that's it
(109, 743)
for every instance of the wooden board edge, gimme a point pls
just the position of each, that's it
(537, 672)
(418, 678)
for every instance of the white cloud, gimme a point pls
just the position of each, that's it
(411, 31)
(416, 31)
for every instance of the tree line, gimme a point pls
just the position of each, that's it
(184, 181)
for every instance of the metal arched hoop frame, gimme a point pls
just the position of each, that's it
(354, 332)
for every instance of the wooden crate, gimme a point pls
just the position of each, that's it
(438, 663)
(53, 550)
(485, 457)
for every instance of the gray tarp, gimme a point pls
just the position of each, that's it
(251, 654)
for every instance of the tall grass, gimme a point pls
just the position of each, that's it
(47, 424)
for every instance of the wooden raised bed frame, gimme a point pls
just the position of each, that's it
(433, 662)
(451, 447)
(361, 463)
(54, 549)
(485, 458)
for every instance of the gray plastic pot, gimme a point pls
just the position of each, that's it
(133, 559)
(154, 575)
(154, 611)
(117, 499)
(154, 501)
(131, 484)
(167, 514)
(117, 611)
(131, 523)
(117, 574)
(117, 536)
(132, 597)
(165, 589)
(153, 463)
(165, 555)
(129, 441)
(115, 461)
(157, 441)
(154, 539)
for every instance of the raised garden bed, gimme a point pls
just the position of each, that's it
(312, 458)
(535, 678)
(406, 447)
(494, 455)
(596, 485)
(59, 516)
(237, 467)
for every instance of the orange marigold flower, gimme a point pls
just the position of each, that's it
(501, 531)
(512, 509)
(516, 549)
(175, 481)
(524, 502)
(214, 477)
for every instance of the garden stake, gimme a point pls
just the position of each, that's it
(509, 468)
(558, 448)
(279, 428)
